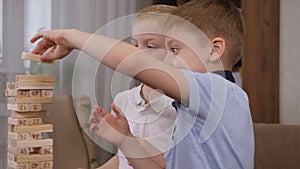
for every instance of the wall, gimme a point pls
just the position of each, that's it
(289, 62)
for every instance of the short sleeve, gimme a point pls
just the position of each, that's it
(207, 100)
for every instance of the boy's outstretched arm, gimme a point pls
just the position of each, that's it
(115, 129)
(118, 55)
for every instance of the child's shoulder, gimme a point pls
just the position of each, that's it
(212, 84)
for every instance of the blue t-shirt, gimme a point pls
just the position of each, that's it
(215, 130)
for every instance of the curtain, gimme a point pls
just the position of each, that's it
(86, 15)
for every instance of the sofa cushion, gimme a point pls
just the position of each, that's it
(277, 146)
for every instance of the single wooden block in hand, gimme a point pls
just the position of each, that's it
(34, 57)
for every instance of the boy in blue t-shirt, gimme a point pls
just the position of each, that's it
(214, 126)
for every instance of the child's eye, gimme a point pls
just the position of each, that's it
(134, 43)
(174, 50)
(151, 47)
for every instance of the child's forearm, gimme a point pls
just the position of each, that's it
(129, 60)
(112, 163)
(141, 154)
(115, 54)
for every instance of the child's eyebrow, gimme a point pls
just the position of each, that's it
(173, 42)
(133, 39)
(147, 38)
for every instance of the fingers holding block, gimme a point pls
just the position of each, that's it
(35, 57)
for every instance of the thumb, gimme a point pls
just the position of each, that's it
(49, 56)
(118, 112)
(101, 111)
(55, 52)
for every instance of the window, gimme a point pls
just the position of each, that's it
(37, 18)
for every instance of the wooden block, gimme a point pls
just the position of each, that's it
(35, 121)
(35, 93)
(24, 107)
(11, 85)
(11, 128)
(19, 137)
(18, 107)
(34, 57)
(35, 136)
(18, 122)
(47, 93)
(35, 78)
(19, 151)
(33, 100)
(16, 93)
(25, 136)
(30, 158)
(11, 100)
(25, 121)
(21, 115)
(35, 107)
(29, 144)
(31, 129)
(6, 93)
(14, 165)
(33, 85)
(46, 150)
(35, 165)
(11, 157)
(46, 164)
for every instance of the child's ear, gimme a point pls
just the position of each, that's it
(218, 49)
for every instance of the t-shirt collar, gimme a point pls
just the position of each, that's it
(158, 104)
(227, 74)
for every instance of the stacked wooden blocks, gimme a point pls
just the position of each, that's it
(27, 149)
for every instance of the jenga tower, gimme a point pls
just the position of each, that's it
(27, 147)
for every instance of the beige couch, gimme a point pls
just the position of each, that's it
(277, 146)
(72, 147)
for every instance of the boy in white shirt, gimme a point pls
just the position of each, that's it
(150, 114)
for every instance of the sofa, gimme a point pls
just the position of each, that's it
(277, 146)
(72, 147)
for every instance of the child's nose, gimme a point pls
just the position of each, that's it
(169, 58)
(159, 54)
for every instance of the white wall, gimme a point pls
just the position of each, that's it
(289, 62)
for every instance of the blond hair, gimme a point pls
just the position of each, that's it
(217, 18)
(181, 2)
(155, 12)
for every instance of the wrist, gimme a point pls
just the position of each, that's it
(126, 140)
(69, 37)
(73, 39)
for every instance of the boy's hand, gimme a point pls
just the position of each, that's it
(110, 128)
(53, 45)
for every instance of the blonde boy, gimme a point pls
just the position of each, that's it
(150, 114)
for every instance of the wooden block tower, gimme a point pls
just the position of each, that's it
(27, 146)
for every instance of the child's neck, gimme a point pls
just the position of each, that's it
(218, 67)
(148, 94)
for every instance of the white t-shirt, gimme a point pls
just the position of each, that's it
(153, 121)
